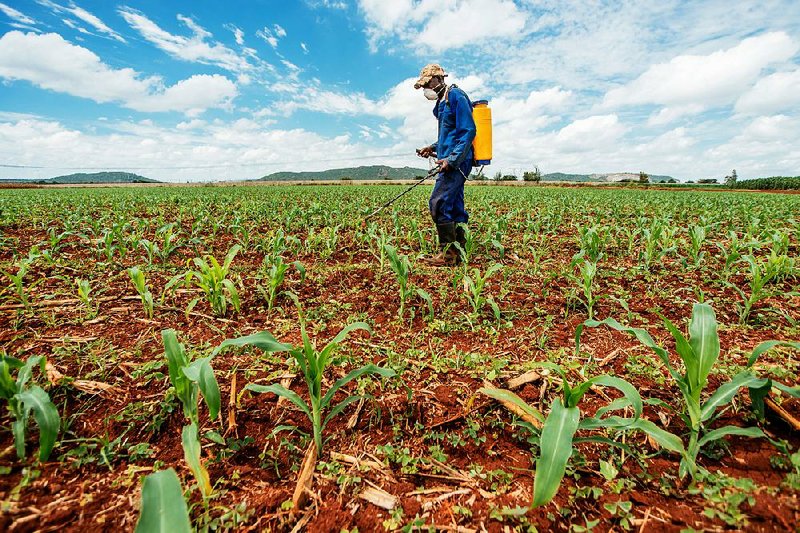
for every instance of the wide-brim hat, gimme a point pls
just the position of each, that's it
(428, 72)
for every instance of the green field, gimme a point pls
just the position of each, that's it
(459, 398)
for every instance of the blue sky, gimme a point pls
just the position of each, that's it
(210, 90)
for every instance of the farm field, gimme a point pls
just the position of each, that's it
(105, 283)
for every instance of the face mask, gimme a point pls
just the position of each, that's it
(433, 94)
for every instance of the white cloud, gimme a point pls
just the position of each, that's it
(440, 25)
(279, 31)
(777, 92)
(84, 15)
(95, 22)
(713, 79)
(268, 37)
(304, 46)
(238, 34)
(590, 133)
(16, 15)
(193, 49)
(53, 63)
(670, 114)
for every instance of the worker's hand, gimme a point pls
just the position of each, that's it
(443, 164)
(425, 151)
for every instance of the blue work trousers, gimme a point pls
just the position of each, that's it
(447, 199)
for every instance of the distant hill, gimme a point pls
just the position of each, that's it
(373, 172)
(95, 178)
(600, 178)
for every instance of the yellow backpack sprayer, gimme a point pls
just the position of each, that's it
(481, 149)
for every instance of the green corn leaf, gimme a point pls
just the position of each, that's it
(503, 395)
(163, 509)
(704, 339)
(729, 430)
(200, 372)
(690, 359)
(339, 407)
(728, 390)
(18, 427)
(341, 336)
(191, 453)
(768, 345)
(280, 390)
(628, 390)
(263, 340)
(229, 258)
(555, 451)
(366, 369)
(176, 360)
(46, 415)
(234, 294)
(26, 371)
(791, 391)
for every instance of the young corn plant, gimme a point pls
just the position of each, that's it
(587, 271)
(699, 353)
(557, 433)
(697, 237)
(593, 241)
(402, 269)
(761, 274)
(22, 398)
(468, 250)
(190, 378)
(273, 271)
(18, 286)
(137, 278)
(474, 284)
(212, 278)
(84, 295)
(312, 363)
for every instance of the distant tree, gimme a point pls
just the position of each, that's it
(508, 177)
(690, 181)
(672, 180)
(731, 180)
(535, 176)
(707, 181)
(480, 176)
(498, 176)
(346, 178)
(643, 178)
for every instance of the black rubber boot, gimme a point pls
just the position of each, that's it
(449, 255)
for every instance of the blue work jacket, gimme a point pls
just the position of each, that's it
(456, 128)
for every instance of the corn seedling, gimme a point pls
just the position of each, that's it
(212, 278)
(137, 277)
(474, 284)
(587, 271)
(163, 509)
(84, 295)
(402, 269)
(557, 433)
(190, 378)
(699, 354)
(18, 286)
(697, 237)
(761, 273)
(468, 250)
(593, 241)
(22, 398)
(273, 271)
(312, 363)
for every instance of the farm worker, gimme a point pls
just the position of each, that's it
(453, 152)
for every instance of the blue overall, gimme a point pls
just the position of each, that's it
(456, 133)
